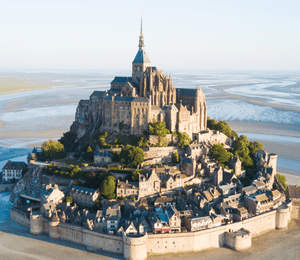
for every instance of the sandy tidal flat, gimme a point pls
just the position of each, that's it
(12, 85)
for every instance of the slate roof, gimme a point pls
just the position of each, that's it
(98, 93)
(83, 189)
(141, 56)
(103, 154)
(14, 165)
(186, 92)
(121, 79)
(128, 99)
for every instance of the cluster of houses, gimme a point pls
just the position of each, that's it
(167, 201)
(193, 195)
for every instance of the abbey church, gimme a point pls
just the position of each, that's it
(147, 96)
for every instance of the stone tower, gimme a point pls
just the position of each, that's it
(141, 61)
(200, 109)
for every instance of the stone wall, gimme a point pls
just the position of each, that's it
(165, 153)
(172, 140)
(20, 217)
(136, 248)
(6, 187)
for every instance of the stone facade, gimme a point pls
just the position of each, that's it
(84, 196)
(13, 171)
(133, 102)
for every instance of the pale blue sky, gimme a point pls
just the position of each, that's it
(192, 35)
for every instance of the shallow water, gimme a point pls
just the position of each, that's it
(5, 205)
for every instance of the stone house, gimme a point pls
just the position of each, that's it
(196, 223)
(127, 189)
(197, 150)
(236, 164)
(166, 221)
(112, 218)
(12, 171)
(164, 201)
(149, 184)
(84, 196)
(102, 158)
(51, 194)
(257, 204)
(188, 166)
(227, 190)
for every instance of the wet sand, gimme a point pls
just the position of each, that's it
(17, 243)
(10, 85)
(277, 244)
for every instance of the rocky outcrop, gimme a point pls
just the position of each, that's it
(88, 115)
(30, 184)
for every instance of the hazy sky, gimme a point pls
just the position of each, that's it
(192, 35)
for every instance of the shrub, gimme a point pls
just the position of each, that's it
(282, 180)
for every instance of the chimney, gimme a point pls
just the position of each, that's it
(126, 181)
(55, 186)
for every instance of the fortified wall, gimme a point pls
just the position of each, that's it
(236, 235)
(7, 187)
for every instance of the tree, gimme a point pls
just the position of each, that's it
(143, 142)
(108, 186)
(254, 147)
(282, 180)
(158, 128)
(68, 140)
(222, 126)
(89, 154)
(132, 155)
(184, 140)
(175, 157)
(68, 199)
(243, 152)
(220, 154)
(52, 150)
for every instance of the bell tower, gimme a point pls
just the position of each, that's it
(141, 60)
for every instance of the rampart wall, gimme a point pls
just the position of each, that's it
(6, 187)
(20, 217)
(136, 248)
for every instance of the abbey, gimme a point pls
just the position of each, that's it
(148, 95)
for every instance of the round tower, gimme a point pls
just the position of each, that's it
(36, 224)
(53, 223)
(273, 162)
(282, 216)
(135, 248)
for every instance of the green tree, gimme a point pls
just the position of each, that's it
(175, 157)
(68, 140)
(282, 180)
(52, 150)
(68, 199)
(158, 128)
(219, 153)
(241, 149)
(221, 126)
(254, 147)
(184, 139)
(89, 154)
(135, 176)
(108, 186)
(143, 142)
(116, 156)
(132, 155)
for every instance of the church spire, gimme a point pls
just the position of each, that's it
(141, 42)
